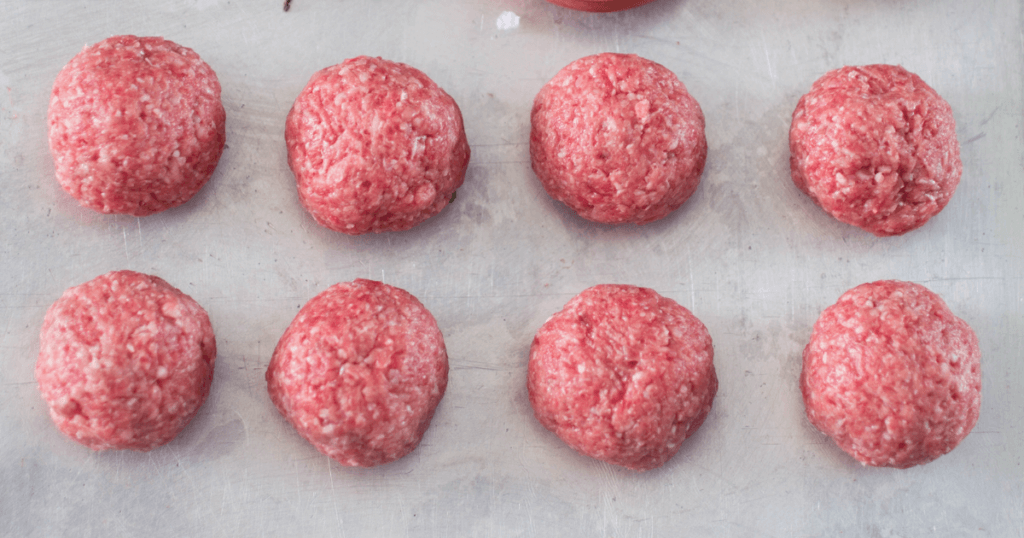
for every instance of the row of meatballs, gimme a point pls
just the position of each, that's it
(621, 373)
(136, 126)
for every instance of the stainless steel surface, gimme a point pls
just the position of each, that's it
(748, 254)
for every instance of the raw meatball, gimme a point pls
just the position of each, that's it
(623, 375)
(876, 148)
(618, 139)
(601, 6)
(136, 125)
(125, 361)
(891, 375)
(375, 146)
(359, 372)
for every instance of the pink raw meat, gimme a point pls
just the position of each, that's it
(876, 148)
(891, 375)
(618, 139)
(359, 372)
(136, 125)
(375, 146)
(125, 361)
(623, 375)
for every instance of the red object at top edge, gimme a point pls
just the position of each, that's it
(600, 6)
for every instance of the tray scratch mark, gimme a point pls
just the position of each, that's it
(768, 60)
(989, 118)
(334, 497)
(689, 267)
(124, 233)
(7, 329)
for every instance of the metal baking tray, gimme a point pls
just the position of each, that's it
(749, 254)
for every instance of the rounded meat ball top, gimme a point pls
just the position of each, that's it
(359, 372)
(136, 125)
(623, 375)
(618, 139)
(891, 375)
(375, 146)
(125, 361)
(876, 147)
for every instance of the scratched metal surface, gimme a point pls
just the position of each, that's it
(748, 254)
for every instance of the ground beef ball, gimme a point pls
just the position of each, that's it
(623, 375)
(125, 361)
(618, 139)
(601, 6)
(136, 125)
(375, 146)
(876, 148)
(891, 375)
(359, 372)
